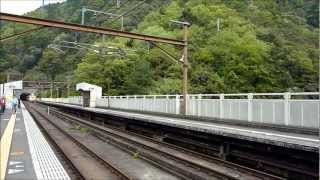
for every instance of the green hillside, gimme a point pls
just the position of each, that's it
(260, 46)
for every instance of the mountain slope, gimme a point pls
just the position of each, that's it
(260, 46)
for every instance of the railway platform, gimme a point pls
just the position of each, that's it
(299, 141)
(25, 153)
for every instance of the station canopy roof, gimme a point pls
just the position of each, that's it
(87, 87)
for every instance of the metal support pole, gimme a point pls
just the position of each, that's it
(83, 10)
(51, 93)
(103, 43)
(41, 92)
(118, 3)
(185, 70)
(183, 106)
(68, 91)
(122, 23)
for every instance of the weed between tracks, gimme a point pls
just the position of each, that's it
(136, 155)
(81, 129)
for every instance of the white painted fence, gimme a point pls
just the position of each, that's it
(295, 109)
(75, 100)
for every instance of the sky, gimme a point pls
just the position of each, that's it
(20, 7)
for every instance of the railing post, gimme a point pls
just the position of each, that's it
(250, 97)
(136, 103)
(221, 98)
(143, 103)
(154, 104)
(127, 98)
(286, 108)
(199, 105)
(302, 120)
(167, 103)
(177, 104)
(108, 102)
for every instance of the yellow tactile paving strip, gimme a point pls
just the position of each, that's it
(5, 145)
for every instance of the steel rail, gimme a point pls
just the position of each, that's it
(123, 143)
(240, 168)
(121, 175)
(89, 29)
(56, 148)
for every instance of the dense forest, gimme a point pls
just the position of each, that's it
(234, 46)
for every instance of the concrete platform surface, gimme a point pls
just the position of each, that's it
(286, 139)
(25, 153)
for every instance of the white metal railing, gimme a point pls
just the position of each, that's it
(156, 103)
(76, 100)
(295, 109)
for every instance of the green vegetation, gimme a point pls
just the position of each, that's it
(81, 129)
(261, 46)
(136, 155)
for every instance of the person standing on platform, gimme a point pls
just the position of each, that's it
(19, 103)
(14, 104)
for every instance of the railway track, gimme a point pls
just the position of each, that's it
(86, 163)
(188, 164)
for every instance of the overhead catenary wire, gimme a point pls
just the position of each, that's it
(171, 56)
(16, 35)
(127, 12)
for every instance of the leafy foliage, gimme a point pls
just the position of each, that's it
(260, 46)
(51, 64)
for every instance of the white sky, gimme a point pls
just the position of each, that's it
(20, 7)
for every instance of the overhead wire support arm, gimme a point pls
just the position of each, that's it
(89, 29)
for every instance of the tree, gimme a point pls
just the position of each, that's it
(51, 64)
(262, 46)
(139, 80)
